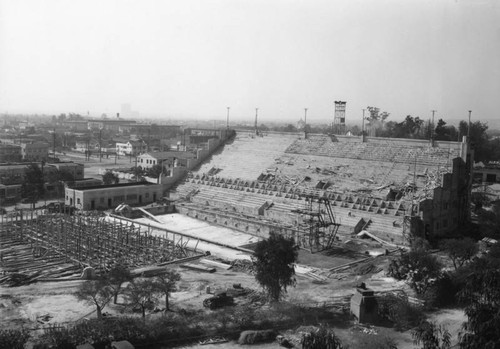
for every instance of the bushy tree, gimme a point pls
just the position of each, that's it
(481, 297)
(95, 292)
(14, 339)
(33, 184)
(155, 171)
(478, 138)
(274, 260)
(166, 283)
(323, 338)
(142, 293)
(419, 268)
(431, 336)
(460, 251)
(110, 178)
(116, 277)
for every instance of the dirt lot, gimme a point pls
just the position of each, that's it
(38, 305)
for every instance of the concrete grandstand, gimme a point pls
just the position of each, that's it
(324, 187)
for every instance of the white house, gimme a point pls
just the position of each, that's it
(165, 158)
(133, 148)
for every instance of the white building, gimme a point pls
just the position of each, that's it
(133, 148)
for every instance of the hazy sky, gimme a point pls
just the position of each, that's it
(194, 58)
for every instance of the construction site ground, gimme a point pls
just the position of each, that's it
(37, 305)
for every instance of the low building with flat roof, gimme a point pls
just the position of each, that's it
(104, 197)
(10, 152)
(165, 158)
(35, 151)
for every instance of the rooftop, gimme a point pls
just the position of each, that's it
(170, 154)
(119, 185)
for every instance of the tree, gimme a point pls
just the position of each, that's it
(166, 283)
(14, 339)
(155, 171)
(323, 338)
(440, 132)
(376, 120)
(290, 128)
(431, 336)
(96, 292)
(460, 251)
(33, 185)
(274, 260)
(420, 269)
(481, 296)
(143, 293)
(116, 277)
(478, 139)
(138, 171)
(110, 178)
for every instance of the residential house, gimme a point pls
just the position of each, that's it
(165, 158)
(131, 148)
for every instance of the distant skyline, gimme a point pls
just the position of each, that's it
(194, 58)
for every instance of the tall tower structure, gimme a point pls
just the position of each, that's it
(339, 118)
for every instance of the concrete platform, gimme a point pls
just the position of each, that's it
(199, 229)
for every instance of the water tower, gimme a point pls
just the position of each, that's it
(339, 118)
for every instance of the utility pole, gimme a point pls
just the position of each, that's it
(100, 146)
(468, 128)
(149, 139)
(432, 128)
(363, 127)
(256, 114)
(227, 121)
(305, 123)
(136, 176)
(54, 144)
(88, 145)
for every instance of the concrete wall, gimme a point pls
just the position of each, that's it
(250, 226)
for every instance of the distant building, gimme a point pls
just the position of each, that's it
(76, 125)
(15, 173)
(10, 153)
(108, 124)
(36, 151)
(202, 135)
(489, 173)
(165, 158)
(10, 194)
(130, 148)
(110, 196)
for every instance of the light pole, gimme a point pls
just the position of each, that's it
(54, 145)
(432, 127)
(305, 123)
(227, 121)
(256, 114)
(363, 127)
(100, 146)
(468, 128)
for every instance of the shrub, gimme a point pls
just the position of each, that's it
(13, 339)
(252, 337)
(431, 336)
(418, 268)
(444, 292)
(400, 312)
(321, 339)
